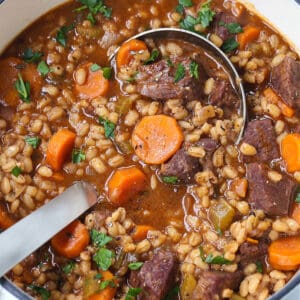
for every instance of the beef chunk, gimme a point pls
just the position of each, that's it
(181, 165)
(274, 198)
(100, 217)
(209, 145)
(156, 81)
(211, 284)
(157, 276)
(219, 28)
(223, 95)
(250, 252)
(261, 135)
(285, 79)
(6, 112)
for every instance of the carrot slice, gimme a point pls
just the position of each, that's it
(59, 147)
(252, 241)
(95, 84)
(140, 232)
(10, 68)
(240, 186)
(290, 151)
(156, 138)
(109, 292)
(71, 240)
(249, 34)
(284, 254)
(58, 177)
(5, 220)
(272, 97)
(296, 213)
(125, 184)
(127, 50)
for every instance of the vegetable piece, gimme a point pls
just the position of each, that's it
(290, 151)
(259, 266)
(23, 89)
(221, 215)
(179, 73)
(16, 171)
(99, 239)
(58, 177)
(5, 220)
(182, 4)
(240, 186)
(33, 141)
(249, 34)
(44, 293)
(59, 147)
(77, 156)
(135, 265)
(95, 84)
(68, 268)
(109, 127)
(43, 68)
(132, 293)
(155, 139)
(296, 213)
(127, 51)
(103, 258)
(61, 35)
(229, 45)
(187, 287)
(71, 240)
(154, 55)
(32, 57)
(124, 104)
(194, 70)
(284, 254)
(140, 232)
(232, 27)
(170, 179)
(125, 184)
(273, 97)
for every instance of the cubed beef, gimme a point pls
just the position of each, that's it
(209, 146)
(223, 95)
(181, 165)
(157, 276)
(156, 81)
(99, 218)
(211, 284)
(261, 135)
(251, 253)
(219, 29)
(274, 198)
(285, 80)
(6, 112)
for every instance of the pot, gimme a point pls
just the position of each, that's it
(16, 15)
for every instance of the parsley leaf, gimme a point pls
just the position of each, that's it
(98, 276)
(206, 15)
(132, 293)
(61, 36)
(103, 258)
(68, 268)
(170, 179)
(172, 293)
(109, 127)
(33, 141)
(298, 195)
(45, 294)
(232, 27)
(259, 266)
(213, 260)
(77, 156)
(99, 239)
(43, 68)
(229, 45)
(95, 67)
(188, 23)
(169, 62)
(182, 4)
(135, 265)
(16, 171)
(180, 73)
(194, 70)
(107, 72)
(31, 57)
(23, 88)
(154, 55)
(104, 284)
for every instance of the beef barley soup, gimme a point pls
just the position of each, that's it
(183, 212)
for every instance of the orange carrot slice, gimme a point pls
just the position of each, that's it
(290, 151)
(240, 186)
(249, 34)
(140, 232)
(5, 220)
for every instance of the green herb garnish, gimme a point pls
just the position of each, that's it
(68, 268)
(16, 171)
(45, 294)
(232, 27)
(194, 70)
(259, 266)
(132, 293)
(31, 56)
(99, 239)
(23, 88)
(229, 45)
(43, 68)
(107, 72)
(154, 55)
(109, 127)
(182, 4)
(213, 260)
(107, 283)
(61, 36)
(170, 179)
(169, 62)
(103, 258)
(179, 73)
(98, 276)
(172, 293)
(95, 67)
(298, 195)
(135, 265)
(77, 156)
(33, 141)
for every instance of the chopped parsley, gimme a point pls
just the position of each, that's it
(214, 260)
(232, 27)
(94, 7)
(107, 283)
(132, 78)
(99, 239)
(259, 266)
(172, 293)
(170, 179)
(179, 73)
(194, 70)
(107, 72)
(98, 276)
(61, 36)
(109, 127)
(298, 195)
(95, 67)
(68, 268)
(33, 141)
(23, 88)
(77, 156)
(43, 68)
(182, 4)
(16, 171)
(154, 55)
(229, 45)
(132, 293)
(32, 57)
(45, 294)
(169, 62)
(103, 258)
(135, 265)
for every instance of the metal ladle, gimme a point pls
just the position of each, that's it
(208, 46)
